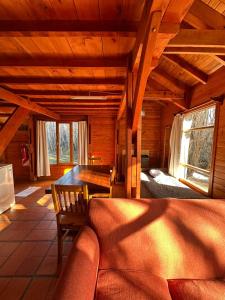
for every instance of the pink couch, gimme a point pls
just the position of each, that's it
(134, 248)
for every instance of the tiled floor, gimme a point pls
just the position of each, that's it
(28, 248)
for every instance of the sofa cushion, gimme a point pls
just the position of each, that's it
(172, 238)
(78, 279)
(195, 289)
(132, 285)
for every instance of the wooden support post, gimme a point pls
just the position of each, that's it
(129, 134)
(138, 161)
(10, 128)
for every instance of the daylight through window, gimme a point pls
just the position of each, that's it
(62, 141)
(197, 147)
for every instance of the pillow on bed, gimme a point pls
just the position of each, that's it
(155, 172)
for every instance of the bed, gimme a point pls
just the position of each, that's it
(162, 185)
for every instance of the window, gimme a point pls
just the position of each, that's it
(62, 141)
(197, 147)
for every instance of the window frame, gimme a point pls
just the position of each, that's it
(209, 173)
(71, 162)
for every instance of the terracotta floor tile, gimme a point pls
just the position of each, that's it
(50, 216)
(2, 260)
(7, 248)
(14, 235)
(3, 284)
(4, 225)
(29, 266)
(41, 235)
(53, 251)
(14, 289)
(40, 248)
(40, 288)
(49, 265)
(20, 225)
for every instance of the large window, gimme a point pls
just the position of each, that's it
(197, 146)
(62, 142)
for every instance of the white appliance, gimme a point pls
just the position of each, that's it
(7, 194)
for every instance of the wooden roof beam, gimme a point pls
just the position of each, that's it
(169, 82)
(11, 126)
(195, 50)
(215, 87)
(61, 80)
(64, 28)
(59, 62)
(67, 102)
(199, 38)
(75, 93)
(27, 104)
(187, 67)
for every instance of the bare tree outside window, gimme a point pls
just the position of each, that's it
(197, 146)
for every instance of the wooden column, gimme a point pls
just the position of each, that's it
(129, 95)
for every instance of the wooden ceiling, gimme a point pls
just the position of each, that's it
(71, 57)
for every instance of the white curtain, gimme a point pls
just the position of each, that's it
(175, 146)
(43, 166)
(82, 143)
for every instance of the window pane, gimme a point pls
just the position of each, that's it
(200, 118)
(197, 148)
(75, 142)
(198, 178)
(64, 143)
(51, 140)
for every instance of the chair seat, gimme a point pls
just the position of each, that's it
(72, 220)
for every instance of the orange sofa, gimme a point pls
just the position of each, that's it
(148, 249)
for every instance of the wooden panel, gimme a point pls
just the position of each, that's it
(102, 138)
(13, 155)
(151, 131)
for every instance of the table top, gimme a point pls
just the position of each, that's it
(92, 175)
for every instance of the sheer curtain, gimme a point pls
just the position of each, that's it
(175, 146)
(82, 143)
(43, 166)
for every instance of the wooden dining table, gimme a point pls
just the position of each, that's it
(96, 177)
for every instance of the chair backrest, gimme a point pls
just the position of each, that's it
(70, 198)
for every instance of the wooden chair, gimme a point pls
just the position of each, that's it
(70, 203)
(104, 192)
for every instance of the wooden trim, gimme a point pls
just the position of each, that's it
(193, 187)
(195, 50)
(11, 126)
(62, 28)
(198, 128)
(195, 168)
(27, 104)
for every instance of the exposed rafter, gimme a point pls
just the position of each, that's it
(187, 67)
(27, 104)
(195, 50)
(43, 28)
(61, 80)
(171, 83)
(59, 62)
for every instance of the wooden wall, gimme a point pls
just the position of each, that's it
(13, 155)
(102, 138)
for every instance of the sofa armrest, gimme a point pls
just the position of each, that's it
(78, 280)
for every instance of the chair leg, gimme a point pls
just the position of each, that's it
(60, 248)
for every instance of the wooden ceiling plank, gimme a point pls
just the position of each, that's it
(199, 38)
(122, 106)
(210, 17)
(161, 95)
(66, 28)
(75, 102)
(59, 62)
(215, 87)
(61, 80)
(187, 67)
(25, 103)
(11, 126)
